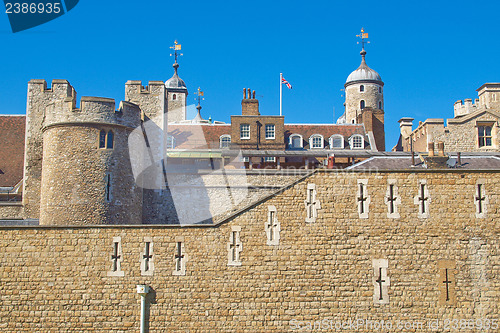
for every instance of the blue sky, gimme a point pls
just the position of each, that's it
(428, 54)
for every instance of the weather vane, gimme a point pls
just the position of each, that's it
(200, 94)
(363, 35)
(176, 47)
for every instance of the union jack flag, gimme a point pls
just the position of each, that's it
(283, 81)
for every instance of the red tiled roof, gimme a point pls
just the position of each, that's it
(12, 130)
(193, 136)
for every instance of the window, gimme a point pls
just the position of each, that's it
(170, 141)
(336, 141)
(174, 97)
(295, 141)
(357, 142)
(244, 131)
(362, 104)
(361, 88)
(269, 159)
(380, 89)
(484, 136)
(245, 159)
(270, 131)
(107, 189)
(225, 141)
(380, 105)
(316, 141)
(106, 139)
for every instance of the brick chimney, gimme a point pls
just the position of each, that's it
(249, 105)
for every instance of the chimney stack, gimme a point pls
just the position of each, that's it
(249, 105)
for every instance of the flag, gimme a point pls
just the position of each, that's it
(364, 35)
(177, 47)
(283, 81)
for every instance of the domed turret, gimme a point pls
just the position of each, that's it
(363, 72)
(363, 89)
(175, 81)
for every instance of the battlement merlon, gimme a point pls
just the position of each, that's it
(135, 86)
(465, 107)
(60, 88)
(93, 111)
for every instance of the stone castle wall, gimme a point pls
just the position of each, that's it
(59, 278)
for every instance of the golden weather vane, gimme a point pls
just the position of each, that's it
(363, 35)
(176, 47)
(200, 95)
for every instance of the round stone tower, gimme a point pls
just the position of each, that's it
(86, 171)
(363, 89)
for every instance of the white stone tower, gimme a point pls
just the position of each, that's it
(363, 89)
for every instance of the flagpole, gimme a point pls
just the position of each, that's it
(281, 93)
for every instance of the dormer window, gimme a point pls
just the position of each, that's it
(357, 142)
(316, 141)
(295, 141)
(336, 141)
(361, 88)
(225, 141)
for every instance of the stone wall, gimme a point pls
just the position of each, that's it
(59, 279)
(353, 97)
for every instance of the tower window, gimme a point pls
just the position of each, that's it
(174, 97)
(380, 89)
(361, 88)
(362, 104)
(107, 189)
(484, 136)
(380, 105)
(106, 139)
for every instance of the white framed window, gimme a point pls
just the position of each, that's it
(361, 88)
(270, 131)
(336, 141)
(484, 137)
(269, 159)
(245, 159)
(170, 141)
(316, 141)
(225, 141)
(357, 142)
(362, 104)
(244, 131)
(295, 141)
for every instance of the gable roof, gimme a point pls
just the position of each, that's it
(12, 132)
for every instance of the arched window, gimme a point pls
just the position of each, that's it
(316, 141)
(361, 88)
(102, 139)
(362, 104)
(380, 89)
(225, 141)
(295, 141)
(336, 141)
(380, 105)
(357, 142)
(174, 97)
(109, 140)
(170, 141)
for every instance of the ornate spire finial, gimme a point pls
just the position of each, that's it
(363, 35)
(199, 95)
(176, 47)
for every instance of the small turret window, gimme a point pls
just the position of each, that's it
(106, 139)
(174, 97)
(362, 104)
(380, 89)
(109, 141)
(380, 105)
(361, 88)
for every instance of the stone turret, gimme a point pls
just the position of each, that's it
(86, 171)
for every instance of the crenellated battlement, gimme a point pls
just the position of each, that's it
(94, 110)
(462, 108)
(137, 86)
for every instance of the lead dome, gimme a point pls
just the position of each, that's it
(363, 72)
